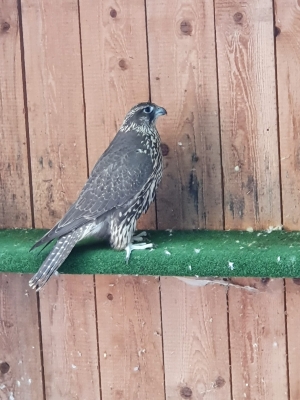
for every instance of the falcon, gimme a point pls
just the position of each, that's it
(119, 190)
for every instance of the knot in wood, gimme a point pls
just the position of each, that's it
(122, 64)
(264, 281)
(5, 26)
(238, 17)
(8, 324)
(113, 13)
(186, 392)
(164, 149)
(277, 31)
(4, 367)
(195, 158)
(110, 296)
(186, 27)
(220, 382)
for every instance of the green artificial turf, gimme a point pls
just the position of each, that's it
(178, 253)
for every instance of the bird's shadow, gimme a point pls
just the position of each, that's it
(85, 246)
(90, 245)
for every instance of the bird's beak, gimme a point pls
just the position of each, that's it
(160, 111)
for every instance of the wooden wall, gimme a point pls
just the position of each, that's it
(228, 74)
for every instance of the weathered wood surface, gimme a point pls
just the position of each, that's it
(120, 340)
(69, 338)
(130, 339)
(183, 79)
(21, 375)
(85, 65)
(258, 340)
(293, 343)
(15, 211)
(195, 339)
(55, 106)
(247, 89)
(287, 31)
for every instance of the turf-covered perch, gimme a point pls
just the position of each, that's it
(177, 253)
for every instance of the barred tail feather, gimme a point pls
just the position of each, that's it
(57, 256)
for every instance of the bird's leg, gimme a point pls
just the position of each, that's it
(137, 246)
(139, 237)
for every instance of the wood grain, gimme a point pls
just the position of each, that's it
(130, 343)
(293, 317)
(69, 338)
(184, 80)
(20, 361)
(55, 106)
(14, 180)
(115, 71)
(245, 51)
(257, 339)
(288, 74)
(195, 341)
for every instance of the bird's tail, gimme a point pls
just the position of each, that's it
(57, 256)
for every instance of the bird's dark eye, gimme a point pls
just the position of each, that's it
(148, 110)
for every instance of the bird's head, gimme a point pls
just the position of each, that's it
(144, 113)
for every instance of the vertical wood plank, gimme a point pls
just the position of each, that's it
(130, 343)
(257, 338)
(20, 359)
(288, 75)
(115, 70)
(293, 317)
(184, 80)
(69, 337)
(245, 51)
(55, 106)
(14, 181)
(195, 337)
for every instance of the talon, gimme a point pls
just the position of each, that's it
(128, 251)
(139, 237)
(137, 246)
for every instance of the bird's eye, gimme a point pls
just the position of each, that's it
(148, 110)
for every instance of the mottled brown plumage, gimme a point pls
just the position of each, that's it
(121, 187)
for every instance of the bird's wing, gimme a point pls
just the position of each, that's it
(119, 175)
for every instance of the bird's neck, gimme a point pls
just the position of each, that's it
(144, 129)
